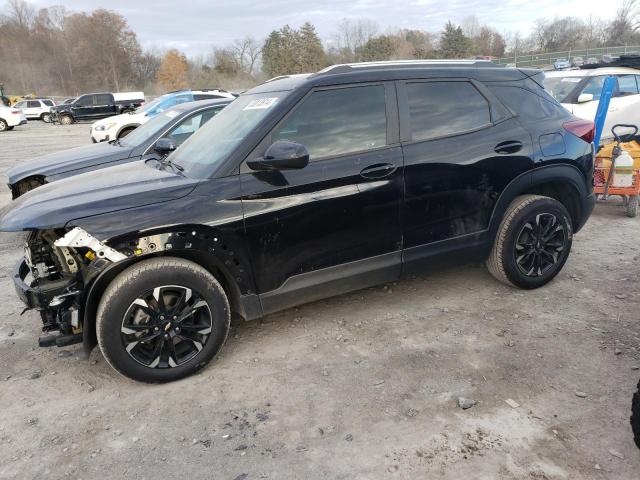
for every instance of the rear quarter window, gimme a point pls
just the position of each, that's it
(528, 105)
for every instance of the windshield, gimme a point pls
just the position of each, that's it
(165, 102)
(560, 87)
(223, 133)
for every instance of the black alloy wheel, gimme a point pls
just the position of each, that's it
(166, 327)
(540, 244)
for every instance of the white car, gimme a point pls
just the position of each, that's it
(36, 109)
(579, 92)
(11, 117)
(119, 126)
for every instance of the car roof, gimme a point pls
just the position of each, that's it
(482, 70)
(191, 106)
(592, 72)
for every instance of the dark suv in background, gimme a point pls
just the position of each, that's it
(305, 187)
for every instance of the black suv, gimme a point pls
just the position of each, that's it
(305, 187)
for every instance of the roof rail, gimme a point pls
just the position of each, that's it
(353, 67)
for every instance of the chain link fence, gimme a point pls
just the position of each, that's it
(541, 60)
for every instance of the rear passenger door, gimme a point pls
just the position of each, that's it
(104, 106)
(461, 148)
(333, 225)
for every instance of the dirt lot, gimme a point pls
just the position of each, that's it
(362, 386)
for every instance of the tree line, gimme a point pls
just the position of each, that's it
(55, 51)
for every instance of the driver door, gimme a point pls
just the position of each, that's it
(333, 225)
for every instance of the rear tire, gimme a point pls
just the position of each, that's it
(162, 319)
(635, 416)
(632, 206)
(66, 120)
(532, 243)
(3, 125)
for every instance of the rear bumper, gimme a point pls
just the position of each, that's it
(587, 205)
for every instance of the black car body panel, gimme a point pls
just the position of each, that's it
(55, 165)
(277, 238)
(55, 204)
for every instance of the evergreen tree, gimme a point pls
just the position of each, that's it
(453, 42)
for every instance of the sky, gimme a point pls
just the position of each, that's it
(194, 26)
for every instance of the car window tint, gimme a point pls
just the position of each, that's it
(437, 109)
(103, 99)
(48, 103)
(85, 101)
(594, 87)
(338, 121)
(627, 85)
(33, 104)
(528, 105)
(20, 105)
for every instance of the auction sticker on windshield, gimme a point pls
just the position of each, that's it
(260, 104)
(171, 114)
(571, 79)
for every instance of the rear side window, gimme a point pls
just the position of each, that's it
(33, 104)
(438, 109)
(103, 99)
(627, 85)
(338, 121)
(528, 105)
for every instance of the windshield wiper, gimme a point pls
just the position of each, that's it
(165, 162)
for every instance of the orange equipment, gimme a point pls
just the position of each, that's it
(604, 179)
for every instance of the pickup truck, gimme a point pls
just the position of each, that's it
(93, 106)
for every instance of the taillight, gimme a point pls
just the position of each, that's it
(584, 129)
(15, 112)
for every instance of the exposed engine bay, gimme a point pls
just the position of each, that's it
(52, 278)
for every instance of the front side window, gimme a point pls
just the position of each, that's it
(438, 109)
(626, 85)
(84, 101)
(48, 103)
(338, 121)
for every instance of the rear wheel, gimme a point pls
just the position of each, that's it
(46, 117)
(3, 125)
(533, 242)
(632, 206)
(66, 119)
(635, 416)
(162, 319)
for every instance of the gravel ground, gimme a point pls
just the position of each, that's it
(361, 386)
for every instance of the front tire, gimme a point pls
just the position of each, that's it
(532, 243)
(162, 319)
(66, 120)
(125, 132)
(46, 117)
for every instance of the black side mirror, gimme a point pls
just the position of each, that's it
(282, 155)
(165, 146)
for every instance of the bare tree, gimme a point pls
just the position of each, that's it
(352, 35)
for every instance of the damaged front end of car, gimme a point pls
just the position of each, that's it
(53, 277)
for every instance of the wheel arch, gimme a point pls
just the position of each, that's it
(131, 126)
(229, 267)
(564, 183)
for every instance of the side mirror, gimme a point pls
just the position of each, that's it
(282, 155)
(585, 97)
(165, 146)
